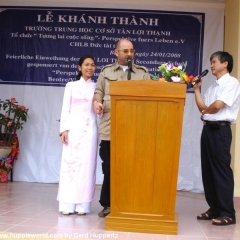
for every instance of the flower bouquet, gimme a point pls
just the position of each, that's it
(173, 73)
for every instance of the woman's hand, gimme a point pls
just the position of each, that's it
(98, 107)
(64, 136)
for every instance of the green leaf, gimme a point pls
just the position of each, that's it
(154, 76)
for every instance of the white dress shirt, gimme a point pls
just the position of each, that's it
(227, 90)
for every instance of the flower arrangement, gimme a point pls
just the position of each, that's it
(12, 118)
(173, 73)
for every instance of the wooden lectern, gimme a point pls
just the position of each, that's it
(146, 126)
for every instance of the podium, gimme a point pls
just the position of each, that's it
(146, 127)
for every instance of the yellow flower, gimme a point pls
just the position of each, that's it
(185, 77)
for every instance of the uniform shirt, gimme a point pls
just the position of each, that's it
(114, 72)
(227, 90)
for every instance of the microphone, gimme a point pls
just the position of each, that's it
(129, 61)
(204, 73)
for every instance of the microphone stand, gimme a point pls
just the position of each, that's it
(129, 68)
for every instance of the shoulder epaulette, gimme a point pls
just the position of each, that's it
(141, 67)
(106, 66)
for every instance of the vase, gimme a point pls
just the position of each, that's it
(5, 151)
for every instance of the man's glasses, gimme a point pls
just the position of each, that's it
(127, 50)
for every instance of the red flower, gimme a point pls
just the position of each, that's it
(22, 107)
(191, 77)
(9, 124)
(9, 162)
(12, 100)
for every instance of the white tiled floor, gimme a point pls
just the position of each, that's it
(32, 208)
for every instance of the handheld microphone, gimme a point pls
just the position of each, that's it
(129, 61)
(204, 73)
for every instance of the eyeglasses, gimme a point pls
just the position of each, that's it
(127, 50)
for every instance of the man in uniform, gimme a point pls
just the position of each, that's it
(101, 102)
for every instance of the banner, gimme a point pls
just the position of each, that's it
(42, 46)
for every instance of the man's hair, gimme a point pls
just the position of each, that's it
(119, 42)
(224, 57)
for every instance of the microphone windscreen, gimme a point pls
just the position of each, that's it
(129, 61)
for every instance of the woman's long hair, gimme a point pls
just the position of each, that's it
(80, 62)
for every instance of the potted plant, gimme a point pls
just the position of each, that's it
(12, 118)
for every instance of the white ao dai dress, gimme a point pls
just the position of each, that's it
(79, 156)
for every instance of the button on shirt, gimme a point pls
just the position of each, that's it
(227, 90)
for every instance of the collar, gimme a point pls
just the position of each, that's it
(117, 66)
(87, 81)
(222, 80)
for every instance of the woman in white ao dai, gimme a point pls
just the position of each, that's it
(78, 131)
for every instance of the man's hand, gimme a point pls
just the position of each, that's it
(202, 116)
(197, 85)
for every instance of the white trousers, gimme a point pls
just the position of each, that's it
(71, 208)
